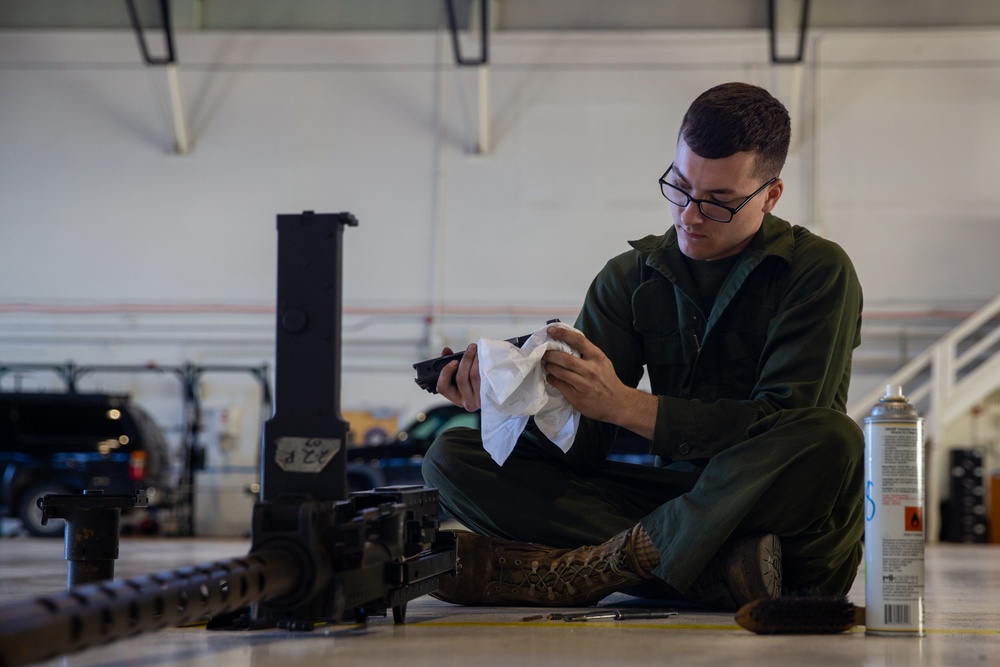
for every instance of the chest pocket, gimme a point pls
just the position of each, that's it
(741, 345)
(655, 317)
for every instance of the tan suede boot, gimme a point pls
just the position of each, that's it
(495, 572)
(746, 569)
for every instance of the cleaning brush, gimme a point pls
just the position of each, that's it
(800, 615)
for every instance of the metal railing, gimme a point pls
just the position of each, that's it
(944, 382)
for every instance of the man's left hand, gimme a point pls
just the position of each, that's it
(591, 385)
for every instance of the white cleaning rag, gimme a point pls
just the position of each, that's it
(513, 388)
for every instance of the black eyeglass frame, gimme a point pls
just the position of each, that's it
(732, 211)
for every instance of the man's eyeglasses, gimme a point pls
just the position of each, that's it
(710, 209)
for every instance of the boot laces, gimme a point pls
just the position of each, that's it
(566, 577)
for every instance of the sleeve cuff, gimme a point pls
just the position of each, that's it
(675, 434)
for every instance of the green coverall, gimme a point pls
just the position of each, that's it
(750, 424)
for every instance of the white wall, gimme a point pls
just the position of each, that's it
(113, 249)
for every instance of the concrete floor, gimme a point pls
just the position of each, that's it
(962, 619)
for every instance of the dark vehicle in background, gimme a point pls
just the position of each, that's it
(398, 460)
(66, 443)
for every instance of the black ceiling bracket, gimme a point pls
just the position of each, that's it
(140, 33)
(484, 40)
(772, 15)
(168, 61)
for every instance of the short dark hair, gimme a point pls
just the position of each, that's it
(738, 117)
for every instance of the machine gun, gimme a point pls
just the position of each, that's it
(318, 554)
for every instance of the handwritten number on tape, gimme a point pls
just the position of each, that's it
(305, 454)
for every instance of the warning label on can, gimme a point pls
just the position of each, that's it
(914, 519)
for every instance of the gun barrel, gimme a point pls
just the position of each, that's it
(48, 626)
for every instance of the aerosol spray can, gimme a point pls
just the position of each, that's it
(894, 517)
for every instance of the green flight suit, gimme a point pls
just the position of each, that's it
(750, 426)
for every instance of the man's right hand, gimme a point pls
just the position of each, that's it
(459, 380)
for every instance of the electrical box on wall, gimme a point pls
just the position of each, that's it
(222, 488)
(220, 428)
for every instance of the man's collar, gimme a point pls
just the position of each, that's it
(773, 238)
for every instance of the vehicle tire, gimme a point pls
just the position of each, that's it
(31, 516)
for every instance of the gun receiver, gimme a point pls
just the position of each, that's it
(428, 371)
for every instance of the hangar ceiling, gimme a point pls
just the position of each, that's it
(334, 15)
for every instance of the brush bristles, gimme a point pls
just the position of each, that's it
(800, 615)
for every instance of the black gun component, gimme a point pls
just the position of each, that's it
(91, 533)
(428, 371)
(317, 554)
(359, 557)
(45, 627)
(303, 437)
(363, 554)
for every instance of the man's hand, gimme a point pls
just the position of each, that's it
(590, 384)
(459, 380)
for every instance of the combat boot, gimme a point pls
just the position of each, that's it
(494, 572)
(747, 569)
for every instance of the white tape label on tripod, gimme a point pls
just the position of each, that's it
(305, 454)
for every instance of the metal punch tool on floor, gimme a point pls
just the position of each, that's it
(605, 615)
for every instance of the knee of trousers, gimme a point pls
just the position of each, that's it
(819, 437)
(444, 458)
(835, 441)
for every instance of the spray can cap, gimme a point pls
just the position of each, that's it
(893, 392)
